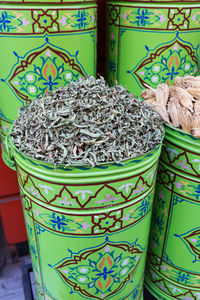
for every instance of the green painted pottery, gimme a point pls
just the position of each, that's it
(88, 228)
(173, 264)
(151, 43)
(42, 48)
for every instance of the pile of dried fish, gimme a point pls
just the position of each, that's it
(87, 123)
(178, 105)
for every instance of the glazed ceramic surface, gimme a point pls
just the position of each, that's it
(150, 43)
(42, 48)
(88, 228)
(173, 264)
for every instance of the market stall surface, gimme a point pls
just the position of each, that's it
(11, 282)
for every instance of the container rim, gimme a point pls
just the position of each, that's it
(182, 132)
(123, 162)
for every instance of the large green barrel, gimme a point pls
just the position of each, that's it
(43, 46)
(150, 43)
(88, 228)
(173, 264)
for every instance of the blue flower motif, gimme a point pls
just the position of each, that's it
(104, 273)
(182, 277)
(196, 193)
(5, 21)
(50, 83)
(158, 220)
(172, 73)
(58, 222)
(144, 207)
(142, 17)
(81, 19)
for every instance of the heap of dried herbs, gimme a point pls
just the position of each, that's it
(87, 123)
(178, 105)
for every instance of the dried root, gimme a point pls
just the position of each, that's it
(174, 108)
(195, 92)
(184, 98)
(178, 105)
(196, 125)
(149, 96)
(187, 82)
(162, 95)
(186, 119)
(197, 107)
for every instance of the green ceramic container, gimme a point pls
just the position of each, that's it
(150, 43)
(42, 47)
(88, 228)
(173, 268)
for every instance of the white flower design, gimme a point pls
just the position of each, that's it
(125, 187)
(46, 188)
(83, 193)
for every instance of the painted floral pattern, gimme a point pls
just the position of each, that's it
(188, 190)
(81, 19)
(160, 63)
(191, 240)
(175, 221)
(50, 68)
(80, 197)
(169, 62)
(164, 18)
(144, 207)
(174, 290)
(6, 22)
(158, 219)
(41, 21)
(140, 17)
(182, 160)
(62, 223)
(92, 223)
(5, 124)
(101, 270)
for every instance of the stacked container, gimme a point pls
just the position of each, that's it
(150, 43)
(44, 45)
(173, 262)
(88, 228)
(147, 44)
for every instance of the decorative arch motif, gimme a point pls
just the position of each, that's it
(41, 70)
(100, 271)
(165, 62)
